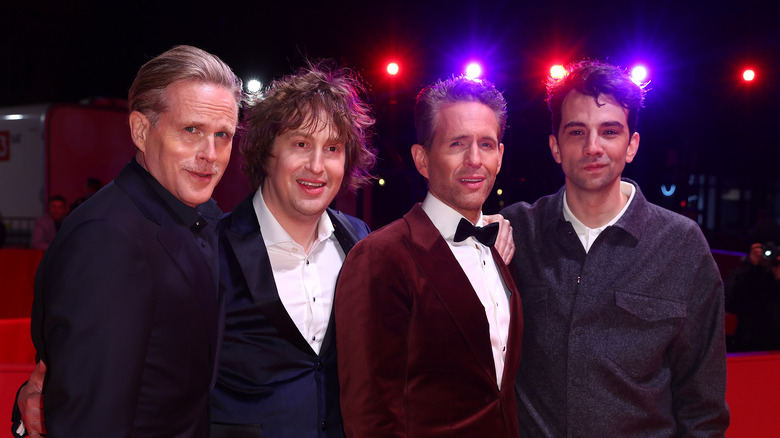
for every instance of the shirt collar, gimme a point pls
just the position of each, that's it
(626, 188)
(274, 233)
(444, 217)
(190, 216)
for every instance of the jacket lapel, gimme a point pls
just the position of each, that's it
(515, 337)
(347, 237)
(448, 281)
(180, 245)
(245, 238)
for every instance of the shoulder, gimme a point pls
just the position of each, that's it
(530, 218)
(339, 218)
(386, 238)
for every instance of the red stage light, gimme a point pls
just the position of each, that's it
(748, 75)
(392, 68)
(558, 72)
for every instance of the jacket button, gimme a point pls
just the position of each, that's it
(318, 366)
(324, 425)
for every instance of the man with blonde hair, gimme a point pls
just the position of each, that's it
(125, 314)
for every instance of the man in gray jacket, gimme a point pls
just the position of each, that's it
(623, 303)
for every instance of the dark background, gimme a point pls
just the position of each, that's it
(703, 129)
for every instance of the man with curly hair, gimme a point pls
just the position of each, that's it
(281, 250)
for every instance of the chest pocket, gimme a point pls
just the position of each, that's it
(641, 328)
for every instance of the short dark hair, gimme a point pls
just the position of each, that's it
(295, 101)
(594, 78)
(456, 89)
(58, 198)
(181, 63)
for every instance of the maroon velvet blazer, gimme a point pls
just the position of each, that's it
(413, 340)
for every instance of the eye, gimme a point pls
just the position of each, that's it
(576, 132)
(222, 134)
(487, 145)
(300, 144)
(190, 129)
(334, 148)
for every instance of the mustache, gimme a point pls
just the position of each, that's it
(202, 168)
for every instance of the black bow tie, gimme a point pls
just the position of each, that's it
(486, 235)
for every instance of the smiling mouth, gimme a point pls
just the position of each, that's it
(201, 174)
(471, 180)
(595, 165)
(311, 184)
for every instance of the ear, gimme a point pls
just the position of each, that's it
(139, 129)
(633, 147)
(556, 151)
(500, 157)
(420, 157)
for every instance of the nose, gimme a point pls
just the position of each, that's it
(315, 162)
(592, 146)
(473, 156)
(208, 150)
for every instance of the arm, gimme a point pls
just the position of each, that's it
(698, 357)
(505, 244)
(372, 310)
(97, 298)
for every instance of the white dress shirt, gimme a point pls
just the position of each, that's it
(588, 235)
(305, 281)
(477, 263)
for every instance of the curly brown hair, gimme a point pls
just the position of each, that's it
(293, 101)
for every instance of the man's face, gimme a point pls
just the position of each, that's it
(593, 143)
(188, 149)
(464, 158)
(304, 173)
(57, 209)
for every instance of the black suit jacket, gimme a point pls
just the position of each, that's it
(125, 316)
(268, 375)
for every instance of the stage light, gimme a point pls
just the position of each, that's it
(639, 74)
(392, 68)
(748, 75)
(558, 72)
(473, 70)
(381, 182)
(253, 86)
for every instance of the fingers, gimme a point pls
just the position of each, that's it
(505, 244)
(755, 255)
(30, 402)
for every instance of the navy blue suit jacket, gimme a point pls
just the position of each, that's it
(125, 317)
(268, 374)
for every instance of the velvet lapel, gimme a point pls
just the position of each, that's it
(448, 281)
(515, 337)
(246, 240)
(179, 242)
(347, 237)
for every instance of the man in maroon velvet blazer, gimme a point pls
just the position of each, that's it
(428, 320)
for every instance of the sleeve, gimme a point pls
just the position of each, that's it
(372, 310)
(698, 357)
(17, 429)
(97, 317)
